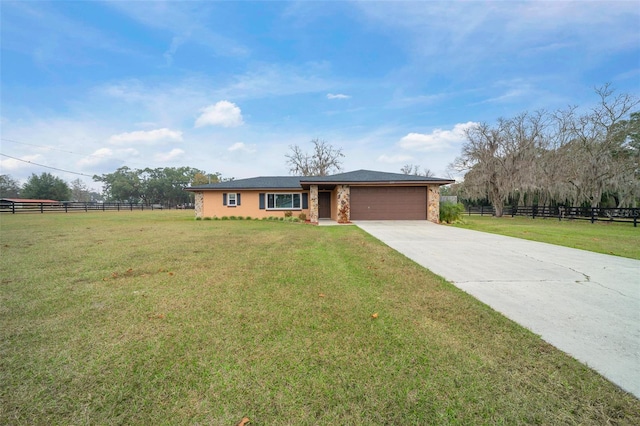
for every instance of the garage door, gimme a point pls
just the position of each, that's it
(388, 203)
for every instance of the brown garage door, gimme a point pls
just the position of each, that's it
(388, 203)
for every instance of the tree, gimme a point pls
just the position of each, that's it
(500, 160)
(9, 187)
(411, 169)
(597, 150)
(202, 178)
(568, 157)
(324, 159)
(121, 185)
(46, 187)
(79, 191)
(162, 185)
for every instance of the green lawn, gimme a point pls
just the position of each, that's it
(620, 239)
(155, 318)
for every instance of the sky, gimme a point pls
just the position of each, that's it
(228, 87)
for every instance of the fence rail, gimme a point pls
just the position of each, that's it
(593, 214)
(70, 207)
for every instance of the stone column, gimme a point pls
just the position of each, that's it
(433, 203)
(313, 204)
(344, 205)
(199, 203)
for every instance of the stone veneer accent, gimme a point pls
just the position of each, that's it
(433, 203)
(344, 206)
(313, 204)
(199, 203)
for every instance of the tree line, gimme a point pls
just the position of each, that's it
(561, 158)
(47, 187)
(148, 186)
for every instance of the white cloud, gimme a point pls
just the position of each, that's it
(223, 113)
(148, 137)
(398, 158)
(240, 146)
(438, 140)
(99, 156)
(171, 155)
(337, 96)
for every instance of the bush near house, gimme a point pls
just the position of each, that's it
(451, 212)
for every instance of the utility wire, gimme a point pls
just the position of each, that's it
(70, 152)
(47, 167)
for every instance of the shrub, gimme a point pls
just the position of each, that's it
(240, 218)
(248, 218)
(288, 213)
(198, 218)
(207, 218)
(224, 218)
(451, 212)
(232, 217)
(302, 217)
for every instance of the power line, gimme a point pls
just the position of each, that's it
(47, 167)
(70, 152)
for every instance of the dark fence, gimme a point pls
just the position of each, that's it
(593, 214)
(69, 207)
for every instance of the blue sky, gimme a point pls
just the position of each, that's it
(228, 86)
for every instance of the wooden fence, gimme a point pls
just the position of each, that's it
(592, 214)
(69, 207)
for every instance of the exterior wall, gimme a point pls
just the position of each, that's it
(199, 203)
(433, 203)
(343, 206)
(313, 204)
(249, 205)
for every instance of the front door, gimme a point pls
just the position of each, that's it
(324, 205)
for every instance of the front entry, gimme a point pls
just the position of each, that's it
(324, 205)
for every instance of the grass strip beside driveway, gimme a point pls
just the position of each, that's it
(154, 318)
(619, 239)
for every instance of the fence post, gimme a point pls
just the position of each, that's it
(481, 210)
(41, 207)
(13, 208)
(593, 214)
(66, 206)
(635, 217)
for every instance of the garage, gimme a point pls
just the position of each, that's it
(388, 203)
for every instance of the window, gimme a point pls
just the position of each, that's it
(231, 200)
(283, 201)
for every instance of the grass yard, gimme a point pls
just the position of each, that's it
(155, 318)
(620, 239)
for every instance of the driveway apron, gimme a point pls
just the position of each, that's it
(585, 304)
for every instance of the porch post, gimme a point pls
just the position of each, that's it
(344, 204)
(313, 204)
(433, 203)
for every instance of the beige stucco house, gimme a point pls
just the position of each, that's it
(357, 195)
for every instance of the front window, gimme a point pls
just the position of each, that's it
(283, 201)
(232, 200)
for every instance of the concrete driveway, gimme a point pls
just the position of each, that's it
(585, 304)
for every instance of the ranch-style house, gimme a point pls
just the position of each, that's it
(342, 197)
